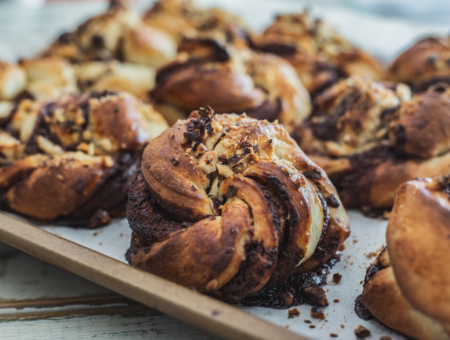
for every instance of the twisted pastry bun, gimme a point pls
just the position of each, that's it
(208, 72)
(409, 288)
(228, 204)
(318, 53)
(119, 34)
(182, 19)
(423, 65)
(74, 157)
(371, 137)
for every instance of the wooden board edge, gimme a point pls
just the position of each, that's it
(189, 306)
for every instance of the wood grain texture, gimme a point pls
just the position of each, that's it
(204, 312)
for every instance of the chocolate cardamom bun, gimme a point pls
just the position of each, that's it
(423, 65)
(228, 205)
(408, 287)
(118, 34)
(74, 158)
(209, 71)
(182, 19)
(370, 137)
(318, 53)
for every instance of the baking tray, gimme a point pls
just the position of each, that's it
(98, 255)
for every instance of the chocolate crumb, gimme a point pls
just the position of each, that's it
(337, 278)
(312, 326)
(336, 300)
(317, 313)
(288, 298)
(333, 335)
(316, 296)
(293, 313)
(307, 321)
(342, 326)
(385, 338)
(231, 191)
(361, 332)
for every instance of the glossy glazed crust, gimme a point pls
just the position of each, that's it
(418, 241)
(209, 72)
(423, 65)
(318, 53)
(235, 196)
(70, 159)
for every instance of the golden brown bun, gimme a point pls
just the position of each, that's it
(182, 19)
(148, 46)
(370, 137)
(408, 290)
(420, 128)
(385, 301)
(208, 72)
(423, 65)
(74, 157)
(418, 241)
(318, 53)
(118, 33)
(237, 197)
(177, 17)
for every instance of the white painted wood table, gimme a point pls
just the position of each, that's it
(41, 301)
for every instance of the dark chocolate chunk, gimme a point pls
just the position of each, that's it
(191, 135)
(332, 201)
(314, 174)
(231, 191)
(235, 159)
